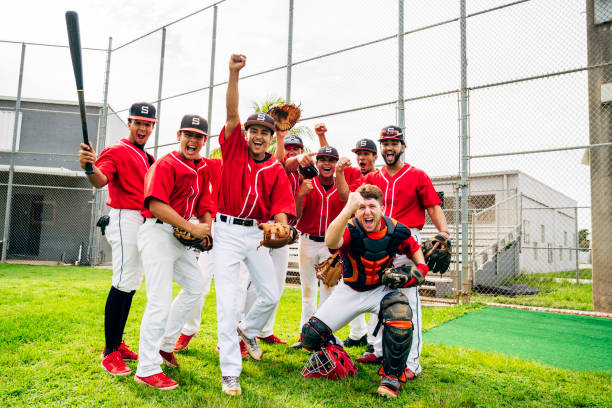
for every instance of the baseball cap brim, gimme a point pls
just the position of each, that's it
(295, 144)
(133, 117)
(250, 123)
(391, 138)
(327, 155)
(200, 131)
(363, 148)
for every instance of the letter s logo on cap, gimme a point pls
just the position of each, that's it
(195, 121)
(362, 143)
(144, 109)
(261, 117)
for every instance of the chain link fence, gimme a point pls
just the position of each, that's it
(503, 104)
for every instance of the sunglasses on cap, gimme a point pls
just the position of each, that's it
(390, 132)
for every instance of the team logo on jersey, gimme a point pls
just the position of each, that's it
(195, 121)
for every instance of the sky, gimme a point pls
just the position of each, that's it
(528, 39)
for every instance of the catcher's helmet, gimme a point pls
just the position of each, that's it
(392, 132)
(331, 362)
(260, 118)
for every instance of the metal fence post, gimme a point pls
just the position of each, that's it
(576, 241)
(94, 240)
(400, 68)
(212, 77)
(463, 118)
(159, 88)
(289, 52)
(9, 188)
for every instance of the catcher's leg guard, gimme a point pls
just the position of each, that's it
(396, 317)
(315, 334)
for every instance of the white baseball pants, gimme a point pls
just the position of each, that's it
(280, 259)
(235, 244)
(122, 235)
(164, 258)
(311, 253)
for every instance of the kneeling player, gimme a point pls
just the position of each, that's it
(367, 245)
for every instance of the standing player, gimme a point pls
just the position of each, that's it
(367, 243)
(318, 202)
(253, 189)
(366, 153)
(122, 167)
(176, 188)
(408, 193)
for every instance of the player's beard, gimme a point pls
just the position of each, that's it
(396, 157)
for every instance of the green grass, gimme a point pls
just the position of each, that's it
(583, 273)
(51, 336)
(560, 295)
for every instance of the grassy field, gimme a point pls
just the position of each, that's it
(51, 337)
(561, 295)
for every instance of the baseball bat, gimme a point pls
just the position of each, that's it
(74, 39)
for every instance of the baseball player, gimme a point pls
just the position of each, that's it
(253, 189)
(366, 153)
(318, 202)
(368, 244)
(176, 188)
(122, 167)
(407, 194)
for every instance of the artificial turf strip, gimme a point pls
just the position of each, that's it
(580, 343)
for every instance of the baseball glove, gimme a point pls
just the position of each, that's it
(285, 115)
(309, 171)
(277, 235)
(398, 277)
(330, 270)
(437, 257)
(187, 239)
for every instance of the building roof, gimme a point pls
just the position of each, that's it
(51, 101)
(52, 171)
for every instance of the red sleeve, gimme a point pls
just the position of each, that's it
(427, 193)
(237, 131)
(354, 178)
(409, 247)
(346, 242)
(234, 145)
(282, 199)
(106, 164)
(159, 182)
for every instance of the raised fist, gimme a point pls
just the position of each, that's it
(320, 129)
(237, 61)
(343, 163)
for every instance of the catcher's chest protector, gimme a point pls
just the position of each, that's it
(368, 257)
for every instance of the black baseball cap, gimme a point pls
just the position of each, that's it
(365, 144)
(260, 118)
(194, 123)
(294, 140)
(392, 132)
(142, 111)
(328, 151)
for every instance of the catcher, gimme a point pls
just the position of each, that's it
(367, 245)
(318, 202)
(176, 188)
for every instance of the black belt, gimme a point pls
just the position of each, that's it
(157, 221)
(237, 221)
(316, 239)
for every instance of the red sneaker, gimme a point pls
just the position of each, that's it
(369, 358)
(160, 381)
(243, 350)
(126, 353)
(183, 342)
(169, 359)
(409, 374)
(114, 365)
(272, 339)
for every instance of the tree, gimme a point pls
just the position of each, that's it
(583, 240)
(302, 131)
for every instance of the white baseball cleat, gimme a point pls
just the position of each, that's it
(230, 385)
(251, 345)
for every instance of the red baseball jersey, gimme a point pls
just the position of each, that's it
(406, 195)
(295, 181)
(125, 166)
(322, 206)
(182, 184)
(215, 175)
(249, 188)
(408, 247)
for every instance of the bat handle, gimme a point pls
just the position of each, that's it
(89, 168)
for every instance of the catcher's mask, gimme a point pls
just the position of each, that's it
(330, 362)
